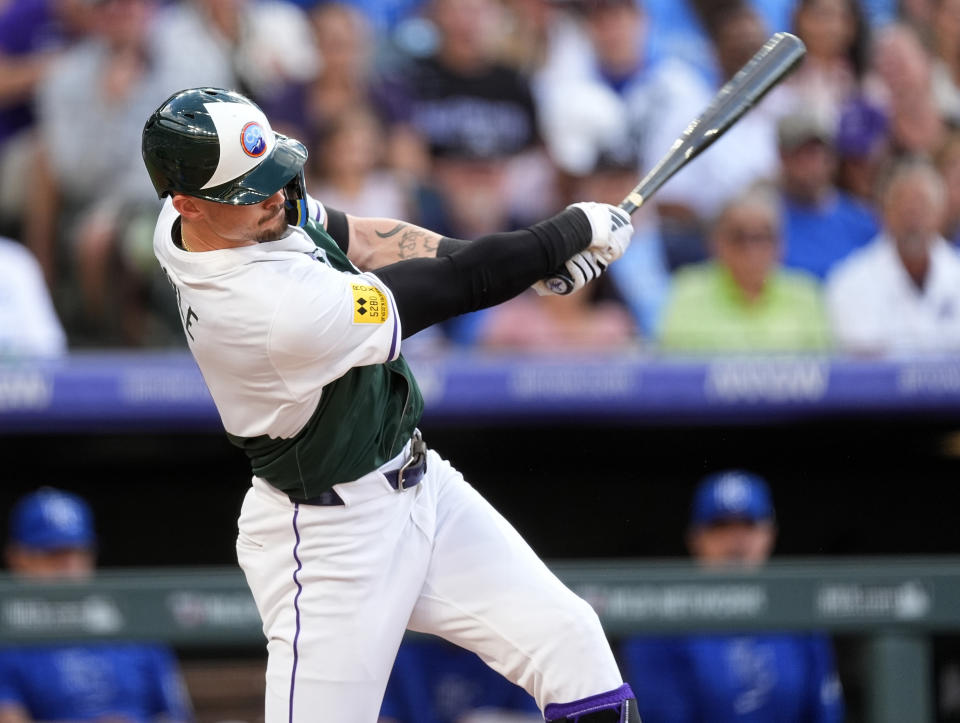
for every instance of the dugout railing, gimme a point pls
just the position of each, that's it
(895, 604)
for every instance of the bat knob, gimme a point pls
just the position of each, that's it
(559, 282)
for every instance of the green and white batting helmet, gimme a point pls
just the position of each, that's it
(217, 145)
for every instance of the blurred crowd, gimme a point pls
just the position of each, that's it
(828, 219)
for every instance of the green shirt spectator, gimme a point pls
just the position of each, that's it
(742, 300)
(709, 312)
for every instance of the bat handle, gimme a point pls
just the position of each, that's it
(632, 202)
(560, 281)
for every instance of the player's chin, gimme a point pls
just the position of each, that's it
(274, 231)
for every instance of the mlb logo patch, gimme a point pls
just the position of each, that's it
(369, 305)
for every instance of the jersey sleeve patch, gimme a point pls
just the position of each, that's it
(369, 305)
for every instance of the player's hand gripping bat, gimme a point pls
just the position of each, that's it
(771, 64)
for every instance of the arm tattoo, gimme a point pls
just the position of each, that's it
(391, 232)
(413, 242)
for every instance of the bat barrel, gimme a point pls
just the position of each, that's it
(777, 58)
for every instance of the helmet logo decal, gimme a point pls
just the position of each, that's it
(248, 124)
(252, 140)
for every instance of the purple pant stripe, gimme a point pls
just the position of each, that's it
(601, 701)
(296, 607)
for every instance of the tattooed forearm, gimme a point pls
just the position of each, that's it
(378, 242)
(412, 242)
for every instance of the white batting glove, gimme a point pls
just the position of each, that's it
(612, 229)
(580, 269)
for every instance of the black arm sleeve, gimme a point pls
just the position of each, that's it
(448, 246)
(484, 272)
(338, 228)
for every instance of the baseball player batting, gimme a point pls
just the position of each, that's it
(353, 529)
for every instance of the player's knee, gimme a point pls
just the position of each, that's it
(580, 624)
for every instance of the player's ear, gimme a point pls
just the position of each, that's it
(186, 206)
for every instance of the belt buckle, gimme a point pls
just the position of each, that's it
(417, 450)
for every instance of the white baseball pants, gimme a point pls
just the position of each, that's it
(336, 587)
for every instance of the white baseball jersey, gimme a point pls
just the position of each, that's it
(284, 333)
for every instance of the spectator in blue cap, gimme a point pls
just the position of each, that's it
(731, 677)
(51, 537)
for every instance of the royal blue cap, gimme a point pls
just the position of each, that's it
(731, 495)
(51, 519)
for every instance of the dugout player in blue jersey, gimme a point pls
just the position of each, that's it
(767, 678)
(52, 537)
(435, 682)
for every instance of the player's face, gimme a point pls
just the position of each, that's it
(264, 221)
(733, 543)
(63, 564)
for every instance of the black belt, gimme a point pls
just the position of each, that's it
(403, 478)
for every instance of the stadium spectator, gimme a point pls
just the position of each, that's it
(582, 103)
(437, 682)
(595, 320)
(51, 538)
(88, 189)
(263, 47)
(862, 144)
(821, 225)
(384, 15)
(29, 326)
(742, 300)
(918, 16)
(733, 678)
(946, 64)
(836, 35)
(530, 33)
(32, 33)
(345, 41)
(461, 99)
(86, 178)
(902, 84)
(948, 164)
(901, 293)
(614, 70)
(347, 171)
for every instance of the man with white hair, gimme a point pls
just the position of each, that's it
(901, 293)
